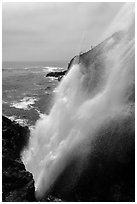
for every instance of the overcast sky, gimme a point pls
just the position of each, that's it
(53, 31)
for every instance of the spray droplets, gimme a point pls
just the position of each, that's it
(88, 98)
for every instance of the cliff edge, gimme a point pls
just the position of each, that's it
(17, 183)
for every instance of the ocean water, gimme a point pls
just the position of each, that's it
(27, 93)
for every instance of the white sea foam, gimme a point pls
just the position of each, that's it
(22, 122)
(41, 115)
(52, 78)
(32, 67)
(25, 103)
(12, 118)
(52, 69)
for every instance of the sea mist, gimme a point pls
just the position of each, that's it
(95, 91)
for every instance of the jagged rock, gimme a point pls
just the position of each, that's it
(56, 74)
(17, 183)
(60, 74)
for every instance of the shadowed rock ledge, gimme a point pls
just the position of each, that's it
(17, 183)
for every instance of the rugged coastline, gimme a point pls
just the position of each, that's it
(17, 183)
(110, 173)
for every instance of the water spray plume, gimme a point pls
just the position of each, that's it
(94, 92)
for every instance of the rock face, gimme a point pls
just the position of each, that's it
(60, 74)
(110, 173)
(17, 183)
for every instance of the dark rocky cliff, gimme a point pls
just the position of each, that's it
(17, 183)
(110, 173)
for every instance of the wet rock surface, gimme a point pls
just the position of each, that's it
(60, 74)
(17, 183)
(108, 173)
(56, 74)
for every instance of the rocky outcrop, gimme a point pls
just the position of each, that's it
(17, 183)
(87, 58)
(108, 172)
(60, 74)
